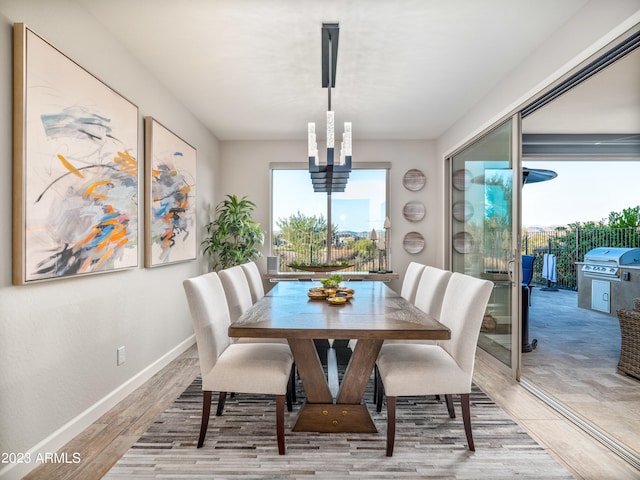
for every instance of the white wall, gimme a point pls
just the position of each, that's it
(596, 25)
(245, 170)
(58, 339)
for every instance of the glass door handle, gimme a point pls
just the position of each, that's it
(510, 271)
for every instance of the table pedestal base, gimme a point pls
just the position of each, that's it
(331, 417)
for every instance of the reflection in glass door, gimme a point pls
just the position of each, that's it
(482, 229)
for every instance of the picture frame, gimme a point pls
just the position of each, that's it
(75, 168)
(170, 196)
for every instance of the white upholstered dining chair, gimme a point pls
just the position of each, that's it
(446, 368)
(239, 298)
(255, 368)
(238, 292)
(236, 288)
(410, 281)
(407, 290)
(256, 287)
(431, 289)
(429, 296)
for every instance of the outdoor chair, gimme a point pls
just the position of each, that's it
(527, 272)
(253, 368)
(446, 368)
(629, 362)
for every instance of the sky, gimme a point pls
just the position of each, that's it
(293, 192)
(582, 191)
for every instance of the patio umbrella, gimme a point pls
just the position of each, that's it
(529, 175)
(535, 175)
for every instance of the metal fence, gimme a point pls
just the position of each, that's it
(357, 252)
(569, 246)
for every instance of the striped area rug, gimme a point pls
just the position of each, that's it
(242, 445)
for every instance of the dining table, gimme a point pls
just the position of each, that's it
(375, 313)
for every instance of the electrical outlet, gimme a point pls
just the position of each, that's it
(121, 357)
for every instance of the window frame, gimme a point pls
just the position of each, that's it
(304, 166)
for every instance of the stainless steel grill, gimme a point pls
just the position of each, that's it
(605, 262)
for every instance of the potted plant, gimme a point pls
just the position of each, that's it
(332, 282)
(233, 237)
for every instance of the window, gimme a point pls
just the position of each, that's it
(301, 217)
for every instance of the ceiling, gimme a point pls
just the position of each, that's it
(407, 69)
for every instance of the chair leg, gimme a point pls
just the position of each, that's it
(391, 425)
(379, 393)
(466, 418)
(206, 411)
(221, 399)
(449, 399)
(376, 374)
(293, 382)
(280, 423)
(291, 390)
(288, 397)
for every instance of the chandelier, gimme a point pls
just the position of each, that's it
(331, 175)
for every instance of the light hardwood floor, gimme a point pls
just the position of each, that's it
(101, 445)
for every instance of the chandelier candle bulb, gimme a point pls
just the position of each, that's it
(330, 129)
(347, 139)
(312, 145)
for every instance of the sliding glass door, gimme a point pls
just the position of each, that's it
(485, 232)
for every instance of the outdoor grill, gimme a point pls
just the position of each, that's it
(605, 262)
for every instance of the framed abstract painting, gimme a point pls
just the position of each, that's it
(75, 168)
(170, 196)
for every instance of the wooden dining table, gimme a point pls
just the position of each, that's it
(374, 314)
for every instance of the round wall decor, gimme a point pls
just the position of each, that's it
(413, 242)
(463, 242)
(414, 180)
(414, 211)
(462, 179)
(462, 211)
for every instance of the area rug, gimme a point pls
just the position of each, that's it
(242, 444)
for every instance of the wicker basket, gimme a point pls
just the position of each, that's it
(630, 350)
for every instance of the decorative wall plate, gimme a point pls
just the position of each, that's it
(414, 211)
(463, 242)
(414, 180)
(462, 179)
(462, 211)
(413, 242)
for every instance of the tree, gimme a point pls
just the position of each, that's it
(305, 235)
(628, 218)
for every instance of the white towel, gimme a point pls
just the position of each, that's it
(549, 267)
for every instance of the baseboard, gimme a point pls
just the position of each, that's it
(68, 431)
